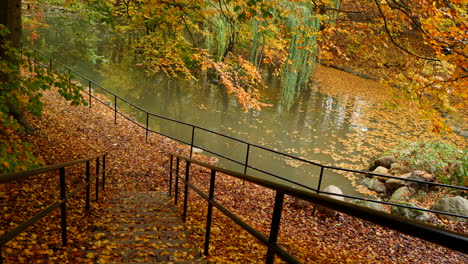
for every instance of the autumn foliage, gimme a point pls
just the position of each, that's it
(419, 46)
(134, 165)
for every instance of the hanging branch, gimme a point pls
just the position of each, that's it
(392, 39)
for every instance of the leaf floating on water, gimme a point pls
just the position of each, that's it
(293, 163)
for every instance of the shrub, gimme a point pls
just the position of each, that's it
(448, 163)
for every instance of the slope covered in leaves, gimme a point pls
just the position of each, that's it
(66, 133)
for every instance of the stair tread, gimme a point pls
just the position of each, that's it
(143, 227)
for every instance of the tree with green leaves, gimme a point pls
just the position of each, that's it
(236, 42)
(21, 87)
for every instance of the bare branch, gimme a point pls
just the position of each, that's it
(392, 39)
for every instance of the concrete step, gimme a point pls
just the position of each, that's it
(142, 227)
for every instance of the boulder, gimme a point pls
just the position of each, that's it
(409, 212)
(393, 184)
(197, 150)
(385, 162)
(331, 189)
(455, 205)
(399, 168)
(422, 176)
(401, 194)
(374, 185)
(372, 205)
(380, 170)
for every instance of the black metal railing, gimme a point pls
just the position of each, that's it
(65, 194)
(245, 161)
(449, 239)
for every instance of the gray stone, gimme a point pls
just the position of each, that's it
(393, 184)
(380, 170)
(401, 194)
(374, 185)
(455, 205)
(409, 212)
(331, 189)
(372, 205)
(399, 168)
(197, 150)
(385, 162)
(422, 176)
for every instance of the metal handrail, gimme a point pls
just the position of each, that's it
(249, 146)
(64, 194)
(446, 238)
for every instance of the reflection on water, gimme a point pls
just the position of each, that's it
(313, 129)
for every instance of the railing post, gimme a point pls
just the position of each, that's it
(89, 92)
(191, 143)
(320, 179)
(88, 187)
(115, 109)
(103, 171)
(50, 64)
(247, 158)
(318, 187)
(97, 179)
(170, 175)
(275, 224)
(63, 206)
(69, 75)
(187, 176)
(210, 212)
(176, 185)
(147, 123)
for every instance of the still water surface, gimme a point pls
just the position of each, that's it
(307, 130)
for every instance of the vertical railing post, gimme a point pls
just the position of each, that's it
(147, 123)
(63, 206)
(89, 92)
(247, 158)
(176, 180)
(115, 109)
(191, 143)
(97, 179)
(88, 184)
(170, 175)
(103, 171)
(320, 179)
(69, 75)
(318, 187)
(275, 225)
(50, 64)
(187, 176)
(210, 213)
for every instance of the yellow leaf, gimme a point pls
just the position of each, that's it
(90, 255)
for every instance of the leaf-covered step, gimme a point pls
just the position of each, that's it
(141, 228)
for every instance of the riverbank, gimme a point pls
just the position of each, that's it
(66, 133)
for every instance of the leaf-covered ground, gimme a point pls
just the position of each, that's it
(66, 133)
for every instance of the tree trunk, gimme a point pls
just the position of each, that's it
(10, 16)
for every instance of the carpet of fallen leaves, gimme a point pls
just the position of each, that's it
(66, 133)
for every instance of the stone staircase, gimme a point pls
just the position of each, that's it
(142, 227)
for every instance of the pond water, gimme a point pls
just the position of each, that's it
(315, 128)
